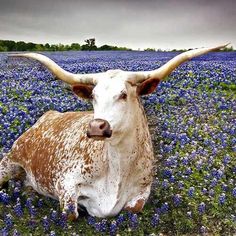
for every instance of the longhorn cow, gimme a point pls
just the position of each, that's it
(102, 161)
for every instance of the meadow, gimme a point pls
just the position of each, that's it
(192, 118)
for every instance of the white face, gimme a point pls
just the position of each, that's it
(115, 101)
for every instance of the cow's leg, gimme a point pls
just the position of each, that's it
(9, 170)
(68, 199)
(136, 204)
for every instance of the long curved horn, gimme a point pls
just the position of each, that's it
(167, 68)
(60, 73)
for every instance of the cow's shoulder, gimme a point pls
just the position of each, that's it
(50, 129)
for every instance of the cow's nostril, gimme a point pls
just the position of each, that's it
(102, 126)
(99, 128)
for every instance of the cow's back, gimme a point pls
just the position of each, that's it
(53, 144)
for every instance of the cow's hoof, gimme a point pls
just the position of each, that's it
(29, 191)
(72, 216)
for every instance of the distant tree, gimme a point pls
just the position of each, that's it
(228, 49)
(39, 47)
(3, 48)
(61, 47)
(75, 46)
(54, 47)
(30, 46)
(106, 47)
(90, 45)
(21, 46)
(150, 49)
(47, 47)
(11, 45)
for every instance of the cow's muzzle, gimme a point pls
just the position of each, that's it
(99, 129)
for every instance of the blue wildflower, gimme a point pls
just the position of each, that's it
(191, 191)
(222, 198)
(18, 208)
(177, 199)
(202, 207)
(8, 221)
(133, 221)
(155, 220)
(113, 227)
(45, 223)
(234, 192)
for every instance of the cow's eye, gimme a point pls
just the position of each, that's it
(123, 96)
(92, 96)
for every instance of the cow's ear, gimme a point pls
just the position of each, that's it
(83, 90)
(147, 87)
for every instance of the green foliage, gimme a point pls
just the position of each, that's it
(150, 49)
(8, 45)
(89, 46)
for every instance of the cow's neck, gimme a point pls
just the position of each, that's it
(123, 156)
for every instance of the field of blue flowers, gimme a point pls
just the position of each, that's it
(192, 118)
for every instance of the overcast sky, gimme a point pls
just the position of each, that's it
(132, 23)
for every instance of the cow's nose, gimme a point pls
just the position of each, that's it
(99, 129)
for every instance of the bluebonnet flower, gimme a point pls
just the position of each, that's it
(202, 207)
(113, 227)
(155, 220)
(234, 192)
(91, 220)
(120, 219)
(226, 159)
(4, 232)
(164, 208)
(133, 219)
(101, 226)
(18, 209)
(45, 223)
(167, 172)
(52, 233)
(211, 192)
(4, 198)
(32, 211)
(224, 187)
(204, 190)
(165, 183)
(16, 193)
(177, 199)
(203, 230)
(32, 223)
(53, 215)
(15, 233)
(63, 220)
(214, 182)
(28, 203)
(181, 184)
(40, 203)
(8, 221)
(222, 198)
(188, 171)
(191, 191)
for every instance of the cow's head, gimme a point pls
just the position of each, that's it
(115, 93)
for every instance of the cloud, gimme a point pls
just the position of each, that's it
(133, 23)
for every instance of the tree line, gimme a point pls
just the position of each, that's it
(89, 45)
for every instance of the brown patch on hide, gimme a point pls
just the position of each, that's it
(137, 208)
(40, 150)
